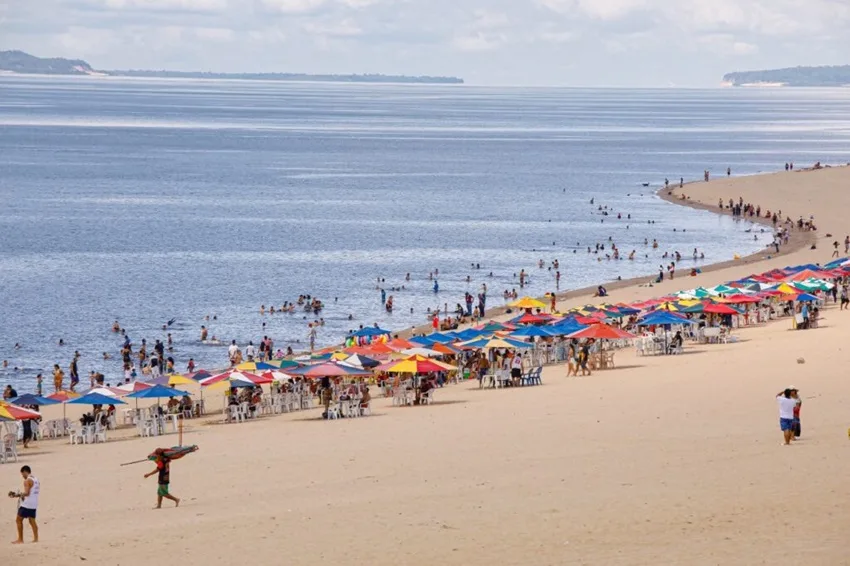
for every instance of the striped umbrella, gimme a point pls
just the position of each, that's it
(10, 412)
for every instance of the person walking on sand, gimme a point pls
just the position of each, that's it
(795, 394)
(163, 469)
(786, 414)
(27, 504)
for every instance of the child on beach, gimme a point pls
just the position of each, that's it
(163, 469)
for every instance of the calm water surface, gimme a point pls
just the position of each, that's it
(144, 201)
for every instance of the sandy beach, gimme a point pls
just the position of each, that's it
(665, 460)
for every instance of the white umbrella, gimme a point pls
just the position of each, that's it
(426, 352)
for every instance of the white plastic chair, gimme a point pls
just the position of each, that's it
(427, 398)
(333, 412)
(9, 449)
(77, 435)
(99, 433)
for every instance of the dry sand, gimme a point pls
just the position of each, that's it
(665, 460)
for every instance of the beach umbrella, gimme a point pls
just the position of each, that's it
(468, 334)
(107, 391)
(718, 308)
(359, 361)
(315, 357)
(274, 376)
(173, 453)
(531, 331)
(157, 392)
(441, 338)
(198, 375)
(805, 298)
(133, 386)
(400, 344)
(492, 326)
(527, 303)
(656, 318)
(63, 396)
(495, 343)
(330, 369)
(416, 364)
(808, 274)
(254, 366)
(424, 352)
(370, 331)
(284, 364)
(740, 299)
(177, 379)
(531, 318)
(10, 412)
(602, 332)
(30, 399)
(96, 399)
(233, 376)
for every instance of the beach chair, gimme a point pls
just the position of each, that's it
(99, 433)
(536, 376)
(9, 449)
(427, 398)
(77, 436)
(333, 412)
(365, 409)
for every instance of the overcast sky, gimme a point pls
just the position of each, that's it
(503, 42)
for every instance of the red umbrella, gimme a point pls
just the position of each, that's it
(531, 318)
(13, 412)
(329, 369)
(718, 308)
(602, 332)
(740, 299)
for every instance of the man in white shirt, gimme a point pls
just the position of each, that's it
(28, 504)
(231, 350)
(786, 414)
(249, 351)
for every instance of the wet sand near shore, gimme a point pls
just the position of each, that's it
(664, 460)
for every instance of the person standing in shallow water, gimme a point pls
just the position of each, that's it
(58, 378)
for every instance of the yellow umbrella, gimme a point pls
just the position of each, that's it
(528, 303)
(177, 379)
(669, 306)
(689, 302)
(416, 364)
(787, 289)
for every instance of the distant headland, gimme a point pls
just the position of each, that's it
(792, 76)
(23, 63)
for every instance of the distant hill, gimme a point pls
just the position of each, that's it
(20, 62)
(792, 76)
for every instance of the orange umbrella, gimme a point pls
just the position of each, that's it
(399, 344)
(602, 332)
(63, 396)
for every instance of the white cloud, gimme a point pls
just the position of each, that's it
(344, 28)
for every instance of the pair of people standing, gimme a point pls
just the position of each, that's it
(789, 414)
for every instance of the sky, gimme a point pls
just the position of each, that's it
(654, 43)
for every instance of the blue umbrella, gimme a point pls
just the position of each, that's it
(421, 340)
(370, 331)
(157, 392)
(441, 338)
(802, 297)
(30, 399)
(662, 317)
(533, 331)
(468, 334)
(565, 327)
(96, 399)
